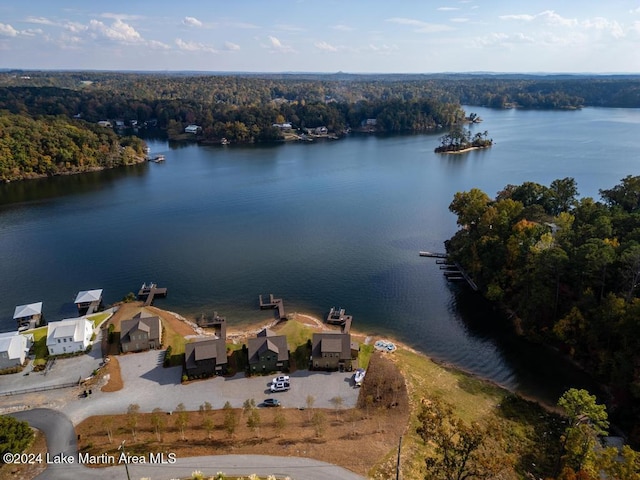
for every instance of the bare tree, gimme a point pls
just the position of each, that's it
(182, 419)
(337, 403)
(208, 425)
(133, 413)
(159, 421)
(279, 422)
(107, 423)
(319, 422)
(310, 401)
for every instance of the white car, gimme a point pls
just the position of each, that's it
(280, 379)
(280, 387)
(358, 377)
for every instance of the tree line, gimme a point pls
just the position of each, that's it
(567, 271)
(32, 147)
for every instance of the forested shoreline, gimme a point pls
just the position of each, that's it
(568, 270)
(254, 108)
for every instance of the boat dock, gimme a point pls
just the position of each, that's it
(149, 292)
(156, 159)
(433, 254)
(273, 303)
(452, 271)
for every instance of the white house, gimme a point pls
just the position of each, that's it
(28, 315)
(13, 349)
(69, 336)
(192, 129)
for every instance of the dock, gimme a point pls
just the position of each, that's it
(338, 316)
(433, 254)
(156, 159)
(452, 271)
(148, 292)
(273, 303)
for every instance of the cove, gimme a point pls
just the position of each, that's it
(336, 223)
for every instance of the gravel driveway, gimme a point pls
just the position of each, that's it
(151, 386)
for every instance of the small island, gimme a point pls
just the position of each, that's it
(459, 140)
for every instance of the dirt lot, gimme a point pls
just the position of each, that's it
(357, 439)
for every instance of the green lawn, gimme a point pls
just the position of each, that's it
(39, 345)
(364, 355)
(98, 318)
(176, 342)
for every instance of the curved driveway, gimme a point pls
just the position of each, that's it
(61, 438)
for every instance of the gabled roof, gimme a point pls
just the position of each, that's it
(88, 296)
(13, 343)
(202, 350)
(22, 311)
(70, 327)
(331, 342)
(151, 325)
(272, 343)
(265, 332)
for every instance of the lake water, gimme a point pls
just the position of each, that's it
(336, 223)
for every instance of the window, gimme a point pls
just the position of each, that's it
(58, 340)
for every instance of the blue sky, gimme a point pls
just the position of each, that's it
(323, 35)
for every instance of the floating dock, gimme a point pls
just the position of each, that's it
(433, 254)
(273, 303)
(148, 292)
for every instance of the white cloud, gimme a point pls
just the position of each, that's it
(447, 9)
(231, 46)
(39, 20)
(289, 28)
(342, 28)
(7, 30)
(325, 47)
(276, 46)
(121, 16)
(194, 46)
(523, 16)
(32, 32)
(421, 27)
(383, 49)
(118, 31)
(158, 45)
(548, 16)
(192, 22)
(74, 27)
(459, 19)
(602, 24)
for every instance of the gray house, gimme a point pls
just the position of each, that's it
(143, 332)
(205, 357)
(331, 351)
(268, 352)
(13, 349)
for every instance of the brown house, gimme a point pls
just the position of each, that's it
(268, 352)
(143, 332)
(331, 351)
(205, 357)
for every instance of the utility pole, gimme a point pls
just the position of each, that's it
(126, 461)
(398, 462)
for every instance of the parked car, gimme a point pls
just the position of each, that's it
(271, 402)
(358, 377)
(280, 379)
(280, 387)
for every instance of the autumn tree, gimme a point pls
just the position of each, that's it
(158, 421)
(182, 419)
(133, 414)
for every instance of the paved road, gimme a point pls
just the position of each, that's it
(61, 439)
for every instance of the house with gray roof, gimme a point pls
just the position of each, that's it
(28, 316)
(140, 333)
(205, 357)
(13, 350)
(331, 351)
(69, 336)
(268, 352)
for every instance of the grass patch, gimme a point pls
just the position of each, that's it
(98, 318)
(364, 355)
(39, 345)
(297, 333)
(176, 342)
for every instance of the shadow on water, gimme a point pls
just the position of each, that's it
(16, 193)
(542, 373)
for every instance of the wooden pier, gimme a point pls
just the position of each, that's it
(150, 291)
(273, 303)
(452, 271)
